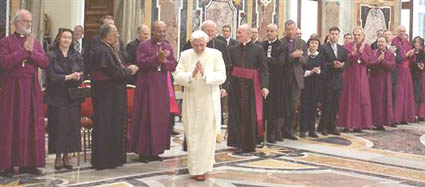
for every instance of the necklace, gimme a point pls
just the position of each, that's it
(19, 45)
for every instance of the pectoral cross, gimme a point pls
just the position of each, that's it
(23, 63)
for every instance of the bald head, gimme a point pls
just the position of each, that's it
(143, 32)
(271, 32)
(158, 31)
(209, 27)
(254, 33)
(401, 31)
(244, 33)
(23, 21)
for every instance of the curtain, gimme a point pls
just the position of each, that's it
(128, 16)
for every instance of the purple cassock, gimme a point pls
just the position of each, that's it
(380, 88)
(404, 110)
(150, 129)
(354, 107)
(21, 105)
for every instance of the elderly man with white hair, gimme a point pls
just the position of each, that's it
(21, 105)
(201, 70)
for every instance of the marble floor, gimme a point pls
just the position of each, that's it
(395, 157)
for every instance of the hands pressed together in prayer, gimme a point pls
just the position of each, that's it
(74, 76)
(338, 64)
(297, 53)
(133, 69)
(29, 43)
(198, 69)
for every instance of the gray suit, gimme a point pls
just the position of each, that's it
(294, 80)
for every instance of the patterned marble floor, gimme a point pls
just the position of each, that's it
(392, 158)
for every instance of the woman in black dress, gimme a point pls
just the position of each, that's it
(417, 67)
(311, 93)
(64, 72)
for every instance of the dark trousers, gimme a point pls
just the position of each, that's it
(274, 127)
(308, 113)
(329, 110)
(292, 97)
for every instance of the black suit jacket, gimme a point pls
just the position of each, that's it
(294, 66)
(231, 41)
(333, 76)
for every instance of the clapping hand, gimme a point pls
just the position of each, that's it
(297, 53)
(381, 57)
(421, 66)
(133, 69)
(29, 43)
(74, 76)
(163, 55)
(316, 70)
(410, 53)
(338, 64)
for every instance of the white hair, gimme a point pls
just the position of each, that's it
(199, 34)
(19, 13)
(209, 22)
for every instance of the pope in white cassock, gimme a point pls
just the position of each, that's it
(201, 70)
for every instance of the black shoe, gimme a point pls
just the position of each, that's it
(279, 139)
(324, 133)
(346, 130)
(313, 134)
(403, 123)
(394, 125)
(302, 134)
(334, 132)
(238, 152)
(291, 137)
(358, 130)
(379, 128)
(271, 141)
(155, 158)
(33, 171)
(174, 133)
(7, 173)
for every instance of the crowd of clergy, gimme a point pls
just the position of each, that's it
(274, 88)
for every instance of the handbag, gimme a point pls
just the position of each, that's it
(78, 93)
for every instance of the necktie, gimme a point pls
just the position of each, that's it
(335, 48)
(77, 46)
(269, 51)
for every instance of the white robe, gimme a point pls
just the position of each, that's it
(201, 106)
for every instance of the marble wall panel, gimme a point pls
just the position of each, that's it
(265, 11)
(222, 13)
(170, 14)
(332, 15)
(3, 17)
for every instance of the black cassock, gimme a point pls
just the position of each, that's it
(109, 97)
(275, 107)
(242, 125)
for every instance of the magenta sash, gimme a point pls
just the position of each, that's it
(253, 75)
(174, 108)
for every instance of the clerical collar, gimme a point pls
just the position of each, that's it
(270, 42)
